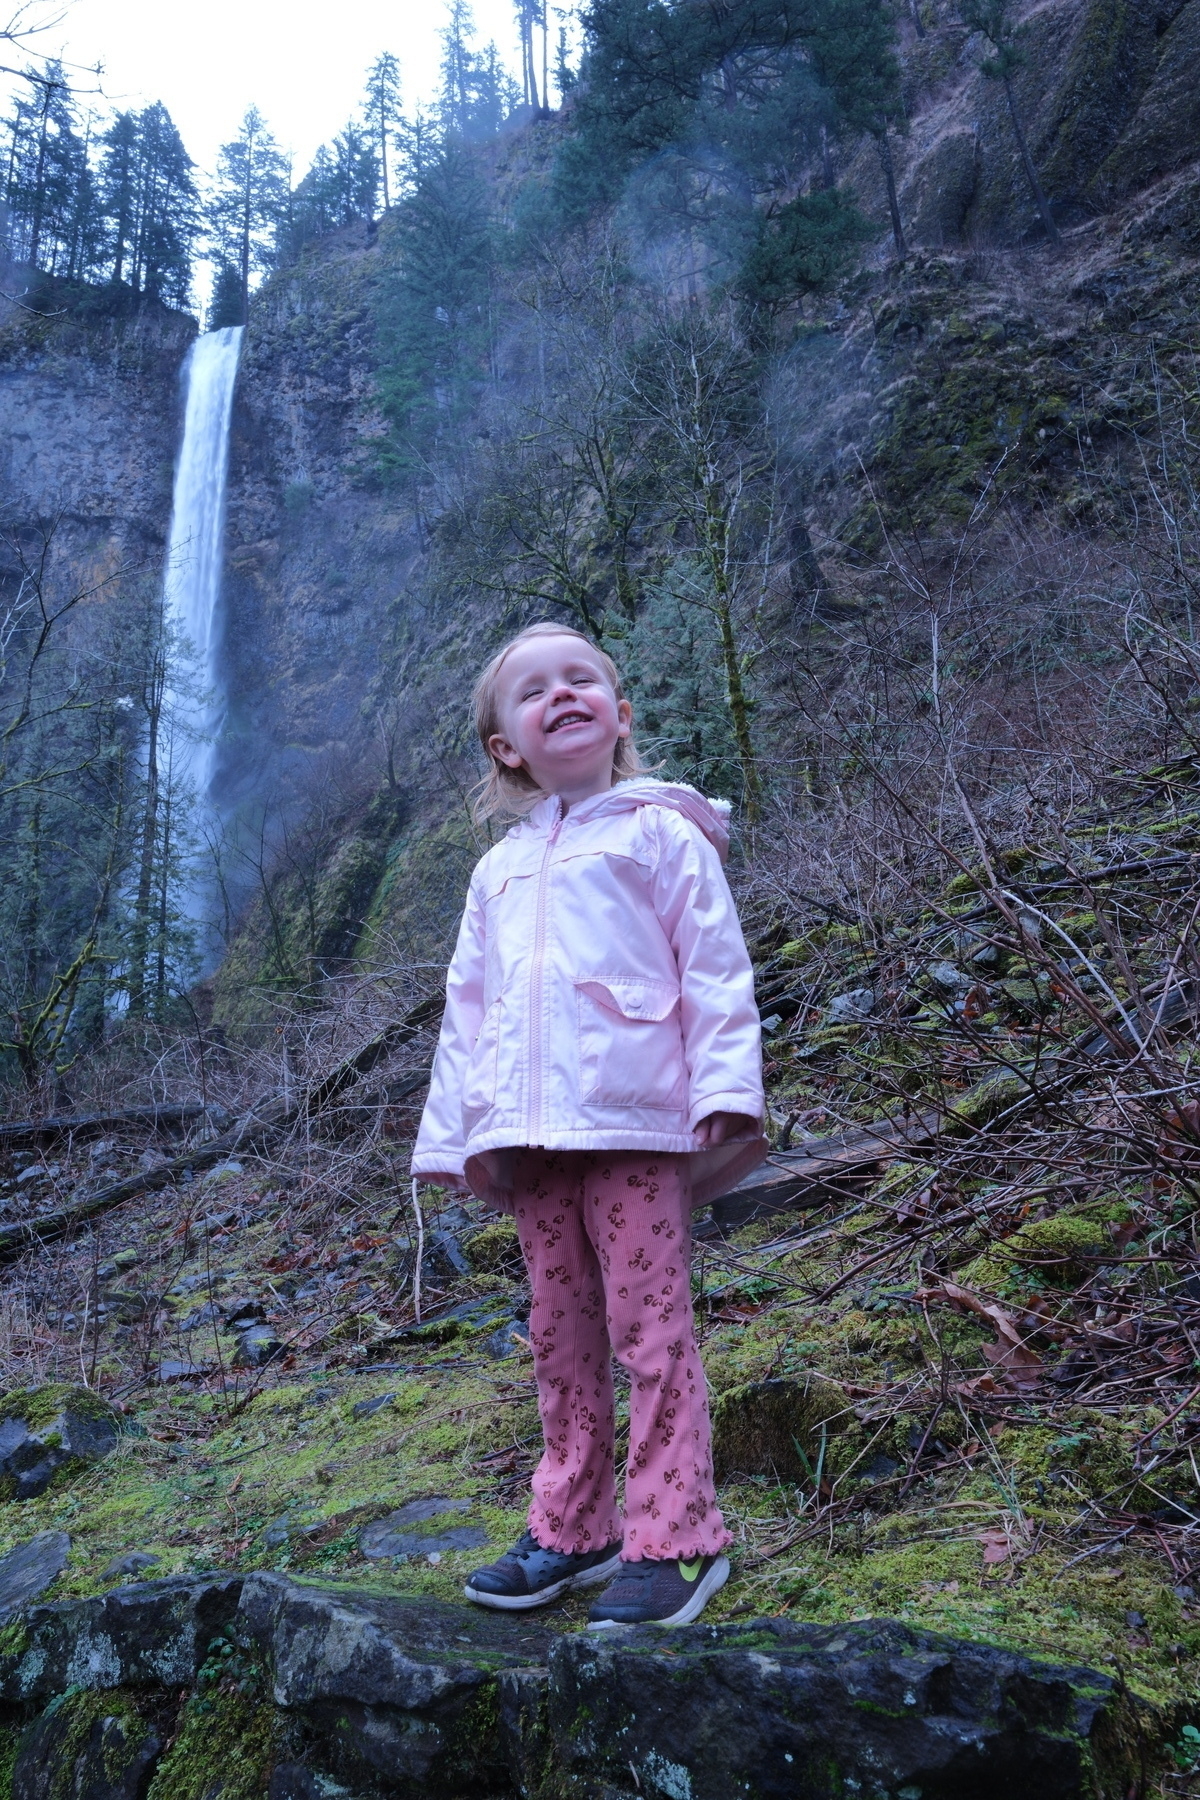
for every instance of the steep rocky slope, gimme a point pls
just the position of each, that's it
(90, 415)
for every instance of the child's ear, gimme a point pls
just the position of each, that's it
(624, 718)
(503, 751)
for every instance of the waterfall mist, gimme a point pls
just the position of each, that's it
(192, 592)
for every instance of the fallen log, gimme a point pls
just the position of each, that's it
(251, 1132)
(22, 1132)
(825, 1169)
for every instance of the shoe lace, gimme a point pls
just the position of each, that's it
(639, 1571)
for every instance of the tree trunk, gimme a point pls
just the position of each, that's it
(1031, 174)
(39, 183)
(884, 147)
(828, 179)
(716, 535)
(915, 9)
(140, 943)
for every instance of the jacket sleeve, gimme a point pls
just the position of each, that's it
(441, 1144)
(722, 1037)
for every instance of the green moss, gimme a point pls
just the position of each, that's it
(223, 1750)
(10, 1741)
(1061, 1250)
(67, 1727)
(39, 1406)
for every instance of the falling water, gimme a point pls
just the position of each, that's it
(192, 586)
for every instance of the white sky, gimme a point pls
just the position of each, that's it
(301, 63)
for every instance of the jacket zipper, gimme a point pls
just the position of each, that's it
(537, 987)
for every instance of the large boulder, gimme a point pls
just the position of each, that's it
(51, 1431)
(30, 1568)
(808, 1712)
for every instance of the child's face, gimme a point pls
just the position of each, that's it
(559, 717)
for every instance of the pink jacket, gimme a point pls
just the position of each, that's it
(600, 996)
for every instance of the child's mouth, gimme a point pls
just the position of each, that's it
(571, 718)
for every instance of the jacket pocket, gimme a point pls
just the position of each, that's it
(479, 1084)
(630, 1042)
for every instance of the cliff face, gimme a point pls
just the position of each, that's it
(90, 414)
(314, 559)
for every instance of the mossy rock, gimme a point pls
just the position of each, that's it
(88, 1745)
(51, 1434)
(1062, 1250)
(496, 1250)
(223, 1751)
(776, 1427)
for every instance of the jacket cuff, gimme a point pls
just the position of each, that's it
(750, 1106)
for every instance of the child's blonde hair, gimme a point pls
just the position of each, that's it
(514, 791)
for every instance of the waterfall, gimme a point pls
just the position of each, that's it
(192, 585)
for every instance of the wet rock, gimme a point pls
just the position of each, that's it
(170, 1369)
(29, 1570)
(257, 1347)
(850, 1008)
(366, 1409)
(293, 1781)
(135, 1563)
(47, 1430)
(288, 1526)
(774, 1427)
(239, 1315)
(208, 1314)
(806, 1711)
(406, 1685)
(89, 1747)
(510, 1340)
(400, 1535)
(149, 1634)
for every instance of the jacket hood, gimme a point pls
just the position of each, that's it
(709, 816)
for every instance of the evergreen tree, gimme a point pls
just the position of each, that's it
(994, 21)
(382, 115)
(477, 93)
(339, 188)
(225, 305)
(250, 195)
(433, 320)
(854, 53)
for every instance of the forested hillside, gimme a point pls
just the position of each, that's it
(834, 364)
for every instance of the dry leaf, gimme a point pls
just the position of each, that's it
(997, 1544)
(1010, 1352)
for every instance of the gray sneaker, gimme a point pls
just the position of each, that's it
(659, 1593)
(527, 1575)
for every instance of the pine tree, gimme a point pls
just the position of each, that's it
(251, 193)
(381, 112)
(993, 20)
(433, 321)
(854, 53)
(225, 305)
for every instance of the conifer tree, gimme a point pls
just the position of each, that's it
(854, 53)
(251, 191)
(382, 115)
(994, 21)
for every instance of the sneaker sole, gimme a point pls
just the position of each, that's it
(545, 1596)
(711, 1584)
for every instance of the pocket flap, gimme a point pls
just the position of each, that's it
(631, 996)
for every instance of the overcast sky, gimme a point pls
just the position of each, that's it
(300, 63)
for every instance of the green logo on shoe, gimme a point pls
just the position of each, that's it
(690, 1570)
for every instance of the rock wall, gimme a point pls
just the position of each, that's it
(264, 1688)
(90, 415)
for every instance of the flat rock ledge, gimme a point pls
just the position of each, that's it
(195, 1688)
